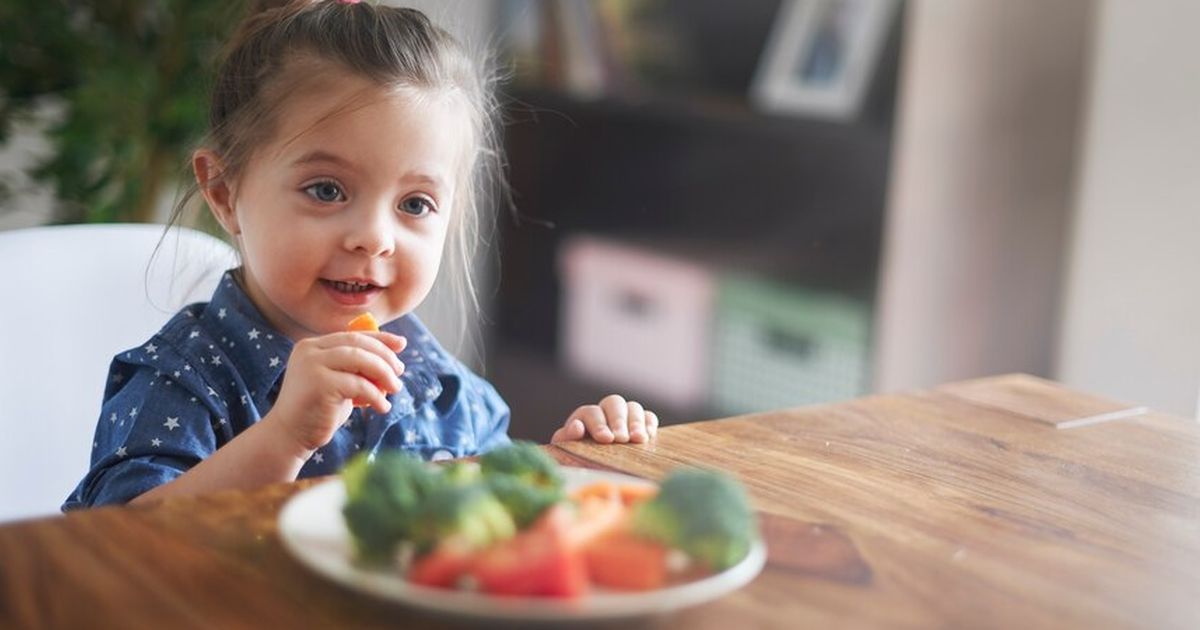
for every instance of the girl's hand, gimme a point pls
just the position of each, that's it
(613, 420)
(326, 375)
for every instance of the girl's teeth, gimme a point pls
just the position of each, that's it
(350, 287)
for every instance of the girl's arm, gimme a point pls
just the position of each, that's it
(325, 377)
(260, 455)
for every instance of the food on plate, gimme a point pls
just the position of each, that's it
(702, 513)
(525, 461)
(509, 526)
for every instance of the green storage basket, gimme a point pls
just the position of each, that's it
(778, 346)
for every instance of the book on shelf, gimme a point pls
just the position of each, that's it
(564, 45)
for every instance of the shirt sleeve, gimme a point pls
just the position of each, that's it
(490, 414)
(152, 428)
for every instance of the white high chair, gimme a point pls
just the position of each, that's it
(75, 296)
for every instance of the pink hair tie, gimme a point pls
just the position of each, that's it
(348, 1)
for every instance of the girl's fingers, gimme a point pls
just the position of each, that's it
(637, 422)
(651, 424)
(363, 362)
(573, 430)
(359, 388)
(616, 412)
(592, 417)
(395, 343)
(386, 345)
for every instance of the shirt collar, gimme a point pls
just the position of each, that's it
(259, 351)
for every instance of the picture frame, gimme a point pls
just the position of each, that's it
(821, 55)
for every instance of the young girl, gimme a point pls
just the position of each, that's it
(345, 146)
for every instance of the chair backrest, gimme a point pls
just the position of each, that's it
(75, 296)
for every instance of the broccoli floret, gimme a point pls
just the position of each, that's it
(469, 514)
(382, 500)
(525, 461)
(523, 501)
(706, 514)
(461, 473)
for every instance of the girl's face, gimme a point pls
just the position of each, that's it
(346, 210)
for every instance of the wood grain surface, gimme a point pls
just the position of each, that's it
(960, 506)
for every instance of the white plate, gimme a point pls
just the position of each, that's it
(313, 530)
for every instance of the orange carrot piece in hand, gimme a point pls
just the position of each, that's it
(363, 323)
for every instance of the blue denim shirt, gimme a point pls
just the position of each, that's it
(216, 368)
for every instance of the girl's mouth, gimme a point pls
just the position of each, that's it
(351, 287)
(351, 292)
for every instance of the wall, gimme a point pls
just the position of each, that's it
(990, 96)
(1131, 324)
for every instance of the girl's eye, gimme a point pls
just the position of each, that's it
(325, 192)
(416, 206)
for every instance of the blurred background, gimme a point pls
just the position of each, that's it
(731, 207)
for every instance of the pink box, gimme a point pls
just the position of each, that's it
(637, 320)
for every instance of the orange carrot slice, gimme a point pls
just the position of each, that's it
(595, 516)
(598, 489)
(626, 493)
(634, 493)
(620, 560)
(363, 323)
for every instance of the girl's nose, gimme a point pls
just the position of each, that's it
(371, 232)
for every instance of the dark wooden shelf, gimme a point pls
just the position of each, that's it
(794, 199)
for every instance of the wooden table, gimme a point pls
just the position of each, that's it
(1005, 502)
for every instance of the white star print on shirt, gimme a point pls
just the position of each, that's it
(121, 452)
(243, 371)
(221, 313)
(133, 412)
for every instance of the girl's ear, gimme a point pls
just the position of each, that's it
(216, 189)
